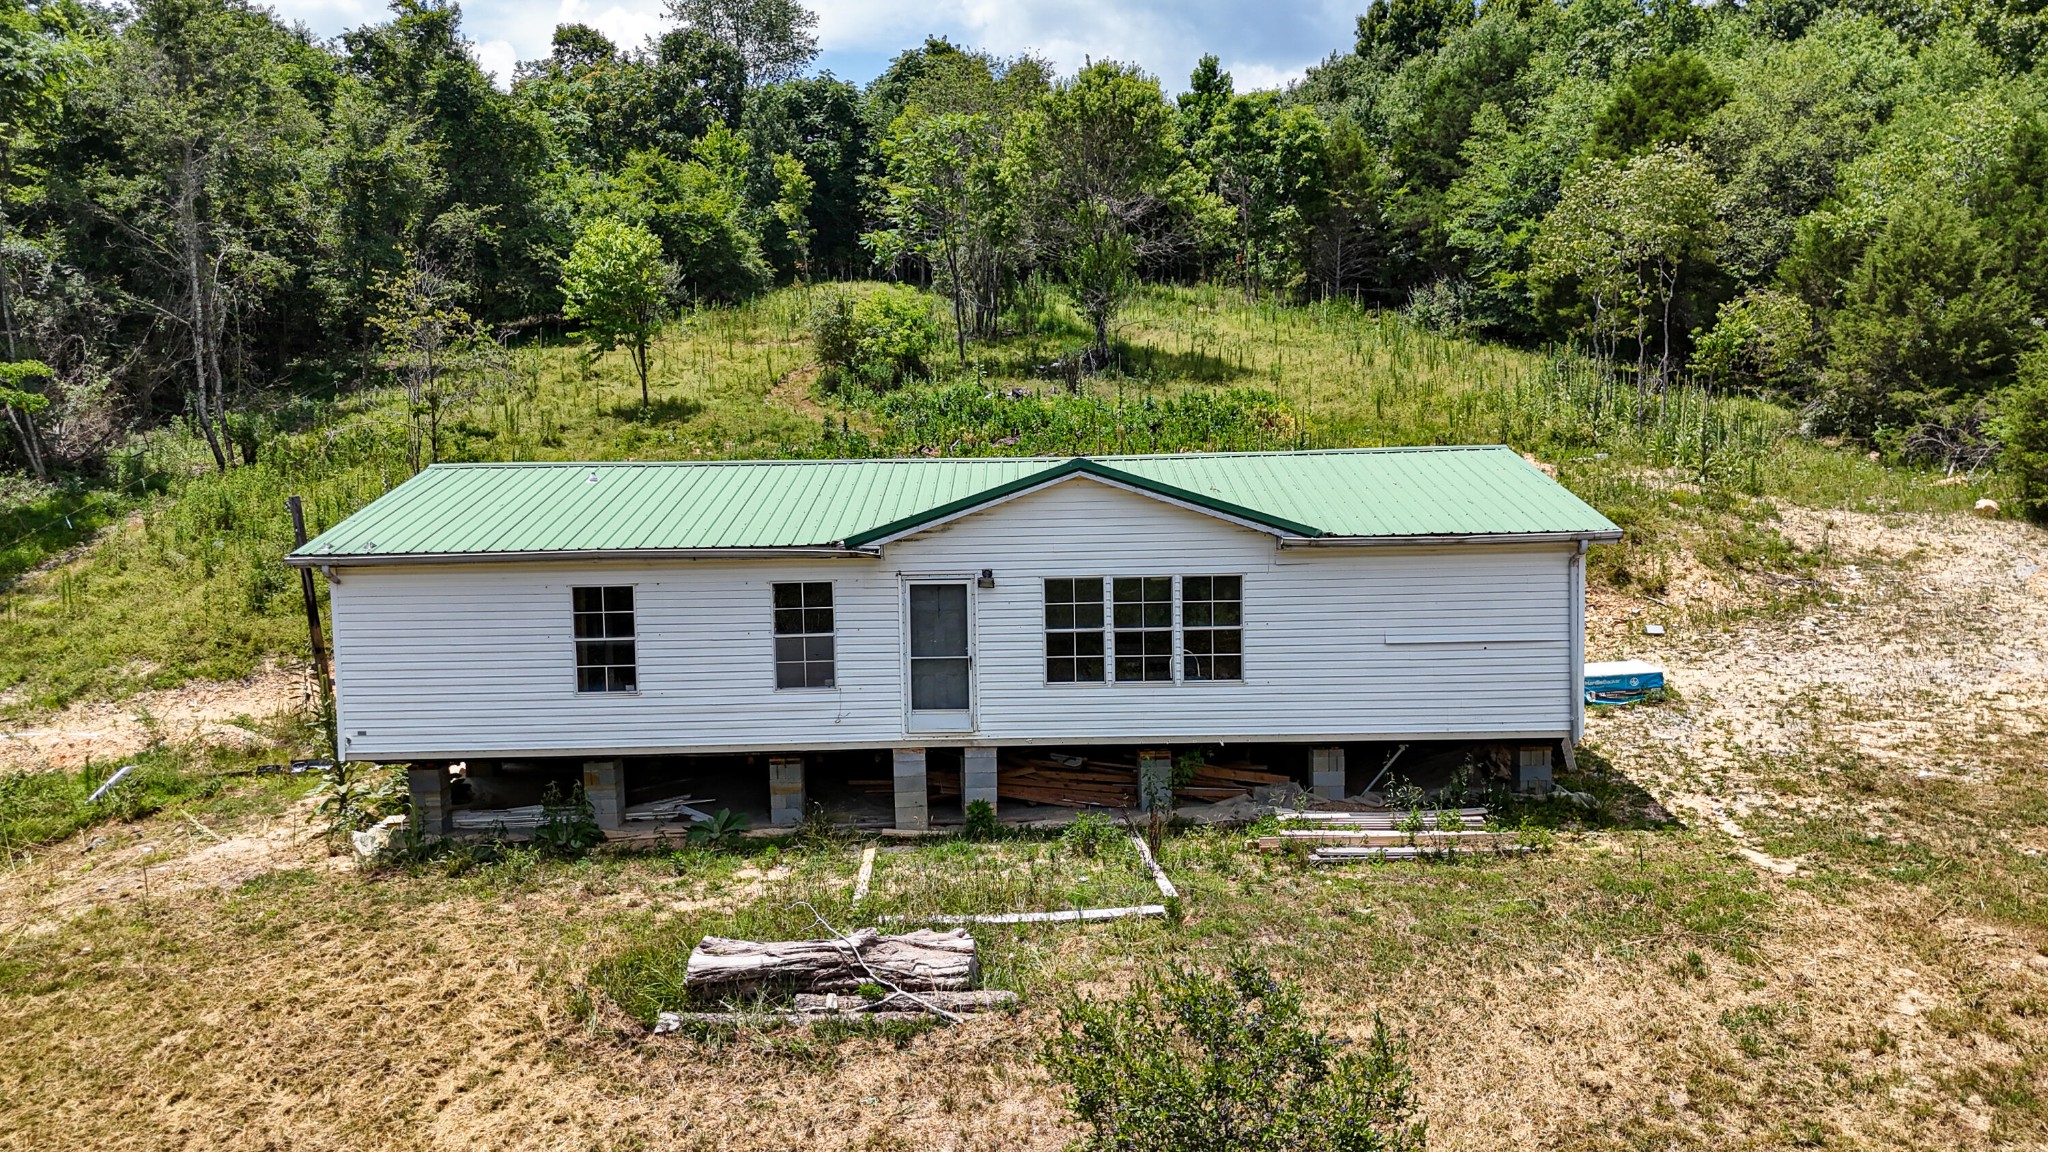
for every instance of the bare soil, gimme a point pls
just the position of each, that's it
(199, 713)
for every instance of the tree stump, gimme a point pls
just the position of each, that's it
(919, 961)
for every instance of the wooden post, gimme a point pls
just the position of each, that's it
(313, 630)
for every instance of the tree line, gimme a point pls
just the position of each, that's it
(208, 215)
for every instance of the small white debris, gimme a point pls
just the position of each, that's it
(1653, 629)
(666, 1023)
(377, 837)
(1987, 507)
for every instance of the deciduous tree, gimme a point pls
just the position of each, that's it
(1108, 187)
(776, 38)
(616, 285)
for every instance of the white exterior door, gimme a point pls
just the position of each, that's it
(938, 617)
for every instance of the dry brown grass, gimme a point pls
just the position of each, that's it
(1631, 990)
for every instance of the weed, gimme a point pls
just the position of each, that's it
(1192, 1061)
(1406, 796)
(1754, 1027)
(352, 795)
(723, 830)
(1089, 833)
(568, 824)
(981, 822)
(1691, 966)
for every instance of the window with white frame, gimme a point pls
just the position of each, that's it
(1141, 611)
(1073, 631)
(1212, 627)
(805, 655)
(605, 660)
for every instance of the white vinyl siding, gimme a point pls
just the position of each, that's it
(1339, 643)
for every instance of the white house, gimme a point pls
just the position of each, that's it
(595, 612)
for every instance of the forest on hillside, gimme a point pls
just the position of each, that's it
(209, 217)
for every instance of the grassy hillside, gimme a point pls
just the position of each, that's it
(184, 580)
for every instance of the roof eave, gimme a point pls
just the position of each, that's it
(389, 559)
(1590, 536)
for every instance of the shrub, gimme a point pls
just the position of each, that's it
(832, 331)
(2023, 437)
(1192, 1061)
(1090, 833)
(880, 338)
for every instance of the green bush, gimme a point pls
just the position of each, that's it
(1190, 1061)
(1090, 834)
(2023, 437)
(881, 337)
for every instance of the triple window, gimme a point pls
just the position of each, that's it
(605, 659)
(1139, 640)
(804, 651)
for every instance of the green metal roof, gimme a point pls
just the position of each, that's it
(483, 511)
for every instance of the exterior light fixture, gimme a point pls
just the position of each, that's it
(988, 578)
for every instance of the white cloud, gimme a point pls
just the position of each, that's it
(497, 57)
(1262, 42)
(628, 26)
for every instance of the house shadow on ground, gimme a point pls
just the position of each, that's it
(663, 410)
(1618, 802)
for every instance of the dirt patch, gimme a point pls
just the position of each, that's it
(200, 713)
(157, 860)
(793, 391)
(1938, 644)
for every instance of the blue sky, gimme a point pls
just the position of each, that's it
(1263, 44)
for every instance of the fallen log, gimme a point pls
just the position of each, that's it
(915, 961)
